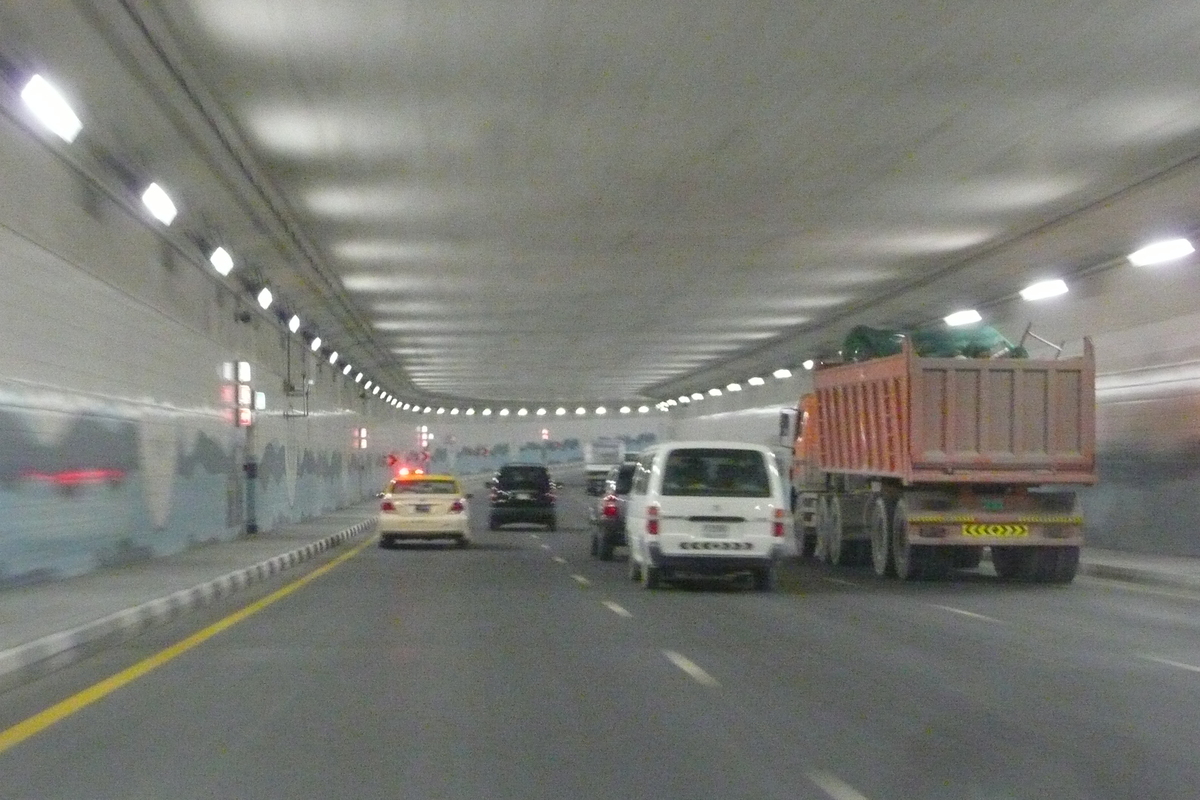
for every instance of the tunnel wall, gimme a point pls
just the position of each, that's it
(116, 435)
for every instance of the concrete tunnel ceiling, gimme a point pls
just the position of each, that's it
(536, 202)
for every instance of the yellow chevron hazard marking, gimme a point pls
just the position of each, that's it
(995, 530)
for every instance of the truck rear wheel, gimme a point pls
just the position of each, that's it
(837, 551)
(881, 534)
(1016, 563)
(1066, 564)
(913, 562)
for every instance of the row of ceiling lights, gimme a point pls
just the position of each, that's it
(51, 109)
(1155, 253)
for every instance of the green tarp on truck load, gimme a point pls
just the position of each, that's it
(968, 341)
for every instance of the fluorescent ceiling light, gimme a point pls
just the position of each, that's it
(965, 317)
(294, 323)
(51, 108)
(441, 411)
(454, 412)
(734, 387)
(358, 378)
(697, 396)
(1159, 252)
(265, 298)
(672, 402)
(368, 384)
(522, 412)
(470, 412)
(504, 412)
(581, 411)
(376, 391)
(683, 398)
(333, 357)
(541, 412)
(221, 260)
(487, 412)
(782, 373)
(315, 344)
(1044, 289)
(756, 381)
(427, 409)
(159, 204)
(601, 410)
(346, 369)
(715, 392)
(560, 411)
(625, 409)
(643, 409)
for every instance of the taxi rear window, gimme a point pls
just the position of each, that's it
(424, 487)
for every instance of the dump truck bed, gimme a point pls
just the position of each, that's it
(954, 420)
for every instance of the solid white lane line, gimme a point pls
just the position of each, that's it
(835, 787)
(582, 581)
(619, 610)
(559, 560)
(970, 614)
(840, 582)
(691, 668)
(1170, 663)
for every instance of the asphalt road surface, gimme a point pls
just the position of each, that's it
(522, 668)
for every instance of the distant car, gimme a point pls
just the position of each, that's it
(522, 493)
(608, 513)
(424, 507)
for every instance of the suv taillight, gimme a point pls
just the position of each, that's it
(387, 505)
(652, 521)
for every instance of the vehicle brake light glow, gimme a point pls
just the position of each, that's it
(457, 507)
(610, 507)
(652, 521)
(777, 530)
(387, 505)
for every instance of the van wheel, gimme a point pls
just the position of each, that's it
(650, 577)
(595, 546)
(634, 573)
(604, 549)
(764, 579)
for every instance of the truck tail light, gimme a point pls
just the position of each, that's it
(652, 521)
(387, 505)
(777, 529)
(457, 507)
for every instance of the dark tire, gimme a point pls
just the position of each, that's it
(604, 548)
(595, 546)
(552, 525)
(1016, 563)
(651, 576)
(765, 578)
(837, 552)
(386, 542)
(909, 560)
(808, 545)
(492, 524)
(463, 543)
(879, 526)
(634, 572)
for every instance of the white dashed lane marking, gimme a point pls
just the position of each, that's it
(693, 669)
(582, 581)
(545, 546)
(970, 614)
(835, 787)
(1168, 662)
(840, 582)
(617, 609)
(559, 560)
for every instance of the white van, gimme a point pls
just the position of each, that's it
(706, 508)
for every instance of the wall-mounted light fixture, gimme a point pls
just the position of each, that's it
(51, 108)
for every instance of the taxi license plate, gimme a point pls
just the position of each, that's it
(421, 509)
(713, 531)
(995, 530)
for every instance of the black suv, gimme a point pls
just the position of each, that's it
(522, 493)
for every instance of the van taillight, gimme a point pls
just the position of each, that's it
(610, 507)
(457, 507)
(777, 531)
(652, 521)
(387, 505)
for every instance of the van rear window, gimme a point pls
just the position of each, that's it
(711, 472)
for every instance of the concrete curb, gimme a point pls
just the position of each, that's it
(58, 649)
(1147, 577)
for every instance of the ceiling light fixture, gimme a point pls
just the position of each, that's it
(541, 412)
(643, 409)
(580, 411)
(315, 344)
(158, 202)
(808, 363)
(221, 260)
(333, 357)
(715, 392)
(966, 317)
(346, 369)
(625, 409)
(560, 412)
(51, 108)
(294, 323)
(697, 396)
(782, 373)
(1043, 289)
(504, 412)
(265, 298)
(522, 412)
(487, 412)
(756, 381)
(1160, 252)
(734, 387)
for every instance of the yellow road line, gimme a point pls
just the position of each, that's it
(44, 719)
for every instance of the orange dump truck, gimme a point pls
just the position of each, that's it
(914, 465)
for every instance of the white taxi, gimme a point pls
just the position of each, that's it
(424, 507)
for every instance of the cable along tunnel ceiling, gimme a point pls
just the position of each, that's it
(553, 201)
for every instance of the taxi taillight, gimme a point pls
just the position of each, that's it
(457, 507)
(387, 505)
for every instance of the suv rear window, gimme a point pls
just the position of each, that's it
(711, 472)
(625, 478)
(524, 478)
